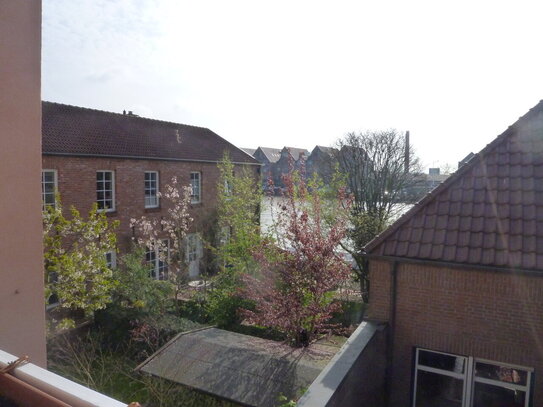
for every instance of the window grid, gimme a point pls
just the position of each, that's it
(48, 188)
(471, 376)
(195, 183)
(111, 260)
(151, 189)
(105, 191)
(158, 269)
(192, 247)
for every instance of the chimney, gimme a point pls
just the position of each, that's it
(406, 158)
(130, 113)
(124, 111)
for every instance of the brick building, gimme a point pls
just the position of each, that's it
(459, 280)
(121, 161)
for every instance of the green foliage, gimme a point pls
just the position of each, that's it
(137, 290)
(76, 271)
(90, 360)
(238, 207)
(238, 218)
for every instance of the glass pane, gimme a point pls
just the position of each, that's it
(435, 390)
(501, 373)
(487, 395)
(443, 362)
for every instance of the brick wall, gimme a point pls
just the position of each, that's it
(484, 314)
(77, 186)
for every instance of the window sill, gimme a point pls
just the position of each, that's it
(153, 209)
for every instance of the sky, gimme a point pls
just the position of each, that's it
(300, 73)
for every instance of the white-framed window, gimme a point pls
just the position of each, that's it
(225, 235)
(444, 379)
(193, 247)
(196, 185)
(151, 189)
(105, 190)
(157, 259)
(49, 186)
(111, 260)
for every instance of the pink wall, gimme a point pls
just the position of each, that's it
(22, 319)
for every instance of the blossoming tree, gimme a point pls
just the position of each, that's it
(77, 275)
(294, 290)
(166, 236)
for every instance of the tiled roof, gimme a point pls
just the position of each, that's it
(80, 131)
(249, 151)
(272, 154)
(490, 212)
(296, 152)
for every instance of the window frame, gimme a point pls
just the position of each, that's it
(156, 266)
(469, 377)
(192, 239)
(113, 206)
(55, 188)
(193, 199)
(156, 188)
(113, 263)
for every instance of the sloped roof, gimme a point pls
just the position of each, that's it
(72, 130)
(272, 154)
(249, 151)
(241, 368)
(490, 212)
(324, 149)
(296, 152)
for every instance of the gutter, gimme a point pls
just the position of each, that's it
(463, 266)
(392, 328)
(135, 157)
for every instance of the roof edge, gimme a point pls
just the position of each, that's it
(451, 179)
(130, 157)
(463, 266)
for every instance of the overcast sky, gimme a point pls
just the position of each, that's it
(300, 73)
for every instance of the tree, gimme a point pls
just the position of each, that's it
(379, 168)
(238, 217)
(294, 290)
(76, 270)
(166, 236)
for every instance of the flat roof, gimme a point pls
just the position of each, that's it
(244, 369)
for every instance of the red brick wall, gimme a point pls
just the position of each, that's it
(77, 186)
(484, 314)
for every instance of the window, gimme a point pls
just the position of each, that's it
(192, 247)
(443, 379)
(48, 188)
(195, 183)
(157, 259)
(151, 189)
(105, 190)
(111, 260)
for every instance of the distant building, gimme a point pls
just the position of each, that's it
(290, 158)
(321, 162)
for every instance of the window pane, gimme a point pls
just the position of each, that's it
(441, 361)
(486, 395)
(435, 390)
(501, 373)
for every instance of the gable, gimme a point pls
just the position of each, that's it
(490, 212)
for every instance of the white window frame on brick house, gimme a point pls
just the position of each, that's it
(102, 188)
(47, 194)
(470, 376)
(196, 185)
(151, 186)
(158, 269)
(111, 259)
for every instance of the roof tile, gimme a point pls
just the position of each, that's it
(489, 212)
(71, 130)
